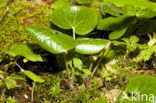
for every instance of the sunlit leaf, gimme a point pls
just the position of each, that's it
(139, 85)
(24, 50)
(82, 19)
(90, 46)
(33, 76)
(50, 40)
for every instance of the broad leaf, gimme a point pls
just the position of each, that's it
(110, 9)
(33, 76)
(139, 13)
(140, 89)
(114, 23)
(24, 50)
(137, 3)
(50, 40)
(10, 83)
(90, 46)
(82, 19)
(117, 33)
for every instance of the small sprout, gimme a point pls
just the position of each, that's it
(152, 41)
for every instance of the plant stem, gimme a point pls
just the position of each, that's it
(68, 71)
(100, 59)
(74, 37)
(32, 92)
(19, 66)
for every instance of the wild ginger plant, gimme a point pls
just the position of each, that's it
(82, 21)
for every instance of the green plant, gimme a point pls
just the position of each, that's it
(126, 18)
(24, 50)
(78, 19)
(141, 89)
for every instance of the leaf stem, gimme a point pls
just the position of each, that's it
(74, 36)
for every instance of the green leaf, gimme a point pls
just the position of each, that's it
(83, 1)
(86, 71)
(78, 63)
(90, 46)
(136, 3)
(50, 40)
(82, 19)
(134, 39)
(24, 50)
(146, 54)
(139, 85)
(10, 83)
(145, 13)
(61, 3)
(114, 23)
(32, 76)
(127, 40)
(117, 33)
(110, 9)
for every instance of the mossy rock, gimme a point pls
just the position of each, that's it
(21, 14)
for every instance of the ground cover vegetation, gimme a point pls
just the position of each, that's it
(78, 51)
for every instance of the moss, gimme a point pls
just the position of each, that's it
(21, 14)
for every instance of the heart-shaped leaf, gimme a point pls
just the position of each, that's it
(50, 40)
(141, 89)
(24, 50)
(90, 46)
(82, 19)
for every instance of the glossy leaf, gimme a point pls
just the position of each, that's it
(117, 33)
(90, 46)
(114, 23)
(10, 83)
(82, 19)
(137, 3)
(24, 50)
(50, 40)
(139, 85)
(33, 76)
